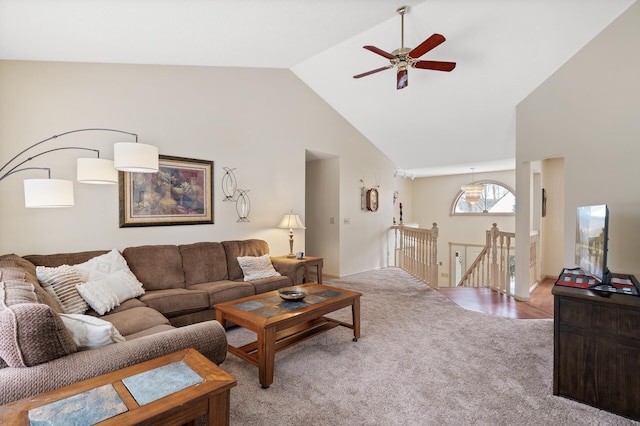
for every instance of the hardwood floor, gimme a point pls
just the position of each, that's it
(485, 300)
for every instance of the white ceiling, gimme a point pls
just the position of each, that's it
(442, 123)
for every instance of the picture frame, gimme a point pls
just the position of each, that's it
(180, 193)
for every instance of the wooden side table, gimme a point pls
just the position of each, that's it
(131, 396)
(318, 262)
(310, 261)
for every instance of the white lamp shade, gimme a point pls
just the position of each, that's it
(43, 193)
(291, 221)
(96, 170)
(135, 157)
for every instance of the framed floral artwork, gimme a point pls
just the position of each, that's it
(180, 193)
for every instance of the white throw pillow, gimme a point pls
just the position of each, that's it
(102, 266)
(90, 332)
(61, 283)
(106, 293)
(257, 268)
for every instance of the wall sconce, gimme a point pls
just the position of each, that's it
(229, 184)
(243, 205)
(472, 191)
(128, 157)
(291, 221)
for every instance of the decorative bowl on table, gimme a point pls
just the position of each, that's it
(292, 293)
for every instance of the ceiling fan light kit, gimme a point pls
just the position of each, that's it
(404, 57)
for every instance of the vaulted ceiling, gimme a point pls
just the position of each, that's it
(442, 123)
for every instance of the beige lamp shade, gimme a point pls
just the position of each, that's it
(291, 221)
(97, 171)
(135, 157)
(45, 193)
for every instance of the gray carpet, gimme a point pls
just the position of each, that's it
(421, 360)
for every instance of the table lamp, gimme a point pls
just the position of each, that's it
(291, 221)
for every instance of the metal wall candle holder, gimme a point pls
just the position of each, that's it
(229, 184)
(243, 205)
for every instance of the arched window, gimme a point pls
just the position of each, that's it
(495, 199)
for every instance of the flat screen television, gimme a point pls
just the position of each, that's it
(592, 230)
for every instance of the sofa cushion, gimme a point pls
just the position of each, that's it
(150, 331)
(16, 267)
(157, 267)
(32, 333)
(135, 320)
(13, 291)
(235, 249)
(90, 332)
(223, 291)
(60, 282)
(176, 301)
(203, 262)
(270, 284)
(193, 318)
(53, 260)
(127, 304)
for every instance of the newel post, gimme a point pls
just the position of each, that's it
(401, 245)
(494, 281)
(434, 256)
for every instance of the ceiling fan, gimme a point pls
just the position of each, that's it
(404, 57)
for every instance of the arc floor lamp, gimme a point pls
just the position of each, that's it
(38, 193)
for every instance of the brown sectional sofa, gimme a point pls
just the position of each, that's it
(182, 284)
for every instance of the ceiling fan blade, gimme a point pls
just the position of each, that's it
(380, 52)
(403, 79)
(364, 74)
(435, 65)
(427, 45)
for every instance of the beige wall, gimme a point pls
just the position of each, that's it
(433, 199)
(588, 114)
(259, 121)
(552, 225)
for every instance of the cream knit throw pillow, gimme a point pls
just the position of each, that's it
(257, 268)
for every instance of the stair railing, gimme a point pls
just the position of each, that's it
(416, 251)
(494, 266)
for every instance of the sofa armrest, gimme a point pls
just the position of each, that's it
(208, 338)
(290, 267)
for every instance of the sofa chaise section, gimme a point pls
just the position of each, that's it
(16, 383)
(147, 332)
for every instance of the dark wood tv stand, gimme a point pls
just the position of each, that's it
(596, 358)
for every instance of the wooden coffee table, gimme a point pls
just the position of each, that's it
(193, 386)
(279, 324)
